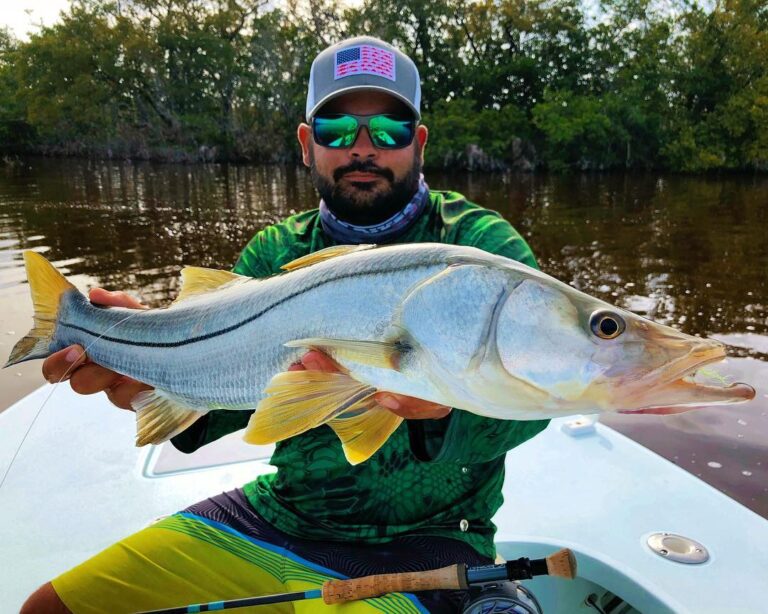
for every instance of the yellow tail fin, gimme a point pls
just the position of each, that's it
(47, 285)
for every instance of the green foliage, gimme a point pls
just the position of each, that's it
(576, 128)
(15, 131)
(457, 125)
(514, 82)
(721, 109)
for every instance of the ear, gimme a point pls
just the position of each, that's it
(304, 134)
(422, 135)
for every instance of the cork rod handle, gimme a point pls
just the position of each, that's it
(340, 591)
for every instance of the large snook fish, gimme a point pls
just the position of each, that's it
(450, 324)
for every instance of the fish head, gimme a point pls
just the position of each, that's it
(581, 354)
(655, 368)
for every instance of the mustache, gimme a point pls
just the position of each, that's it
(363, 167)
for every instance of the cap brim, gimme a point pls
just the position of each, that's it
(363, 88)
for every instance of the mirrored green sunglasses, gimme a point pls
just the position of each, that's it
(340, 131)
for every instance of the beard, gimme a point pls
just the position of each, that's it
(366, 203)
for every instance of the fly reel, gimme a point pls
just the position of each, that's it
(500, 598)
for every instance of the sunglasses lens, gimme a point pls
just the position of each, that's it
(335, 131)
(389, 132)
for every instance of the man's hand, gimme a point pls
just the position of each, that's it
(87, 377)
(400, 404)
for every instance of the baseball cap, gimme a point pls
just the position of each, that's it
(359, 64)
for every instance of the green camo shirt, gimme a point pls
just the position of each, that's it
(431, 474)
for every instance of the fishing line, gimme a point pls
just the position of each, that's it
(55, 385)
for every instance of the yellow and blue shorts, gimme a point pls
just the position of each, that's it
(220, 549)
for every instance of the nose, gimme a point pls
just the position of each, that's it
(363, 146)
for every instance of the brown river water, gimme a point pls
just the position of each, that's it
(690, 252)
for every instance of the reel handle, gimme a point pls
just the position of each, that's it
(340, 591)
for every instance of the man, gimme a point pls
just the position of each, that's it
(426, 498)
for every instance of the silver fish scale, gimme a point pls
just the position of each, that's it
(221, 349)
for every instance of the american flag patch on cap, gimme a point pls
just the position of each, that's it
(364, 60)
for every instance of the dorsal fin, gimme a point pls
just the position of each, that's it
(196, 280)
(324, 254)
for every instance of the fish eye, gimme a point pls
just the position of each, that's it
(606, 324)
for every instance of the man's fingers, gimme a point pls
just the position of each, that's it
(100, 296)
(415, 411)
(315, 360)
(411, 407)
(61, 365)
(400, 404)
(122, 392)
(86, 377)
(92, 378)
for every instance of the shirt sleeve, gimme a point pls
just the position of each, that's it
(464, 437)
(474, 226)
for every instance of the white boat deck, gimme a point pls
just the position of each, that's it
(78, 484)
(602, 495)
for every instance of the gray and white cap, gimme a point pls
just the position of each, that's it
(363, 63)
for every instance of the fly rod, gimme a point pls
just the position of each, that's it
(455, 577)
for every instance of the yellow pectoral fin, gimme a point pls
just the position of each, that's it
(383, 354)
(301, 400)
(362, 434)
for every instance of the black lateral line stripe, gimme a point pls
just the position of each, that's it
(229, 329)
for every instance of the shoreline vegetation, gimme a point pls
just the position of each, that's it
(507, 84)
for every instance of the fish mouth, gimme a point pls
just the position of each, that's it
(678, 391)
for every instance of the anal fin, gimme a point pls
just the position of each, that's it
(160, 416)
(362, 434)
